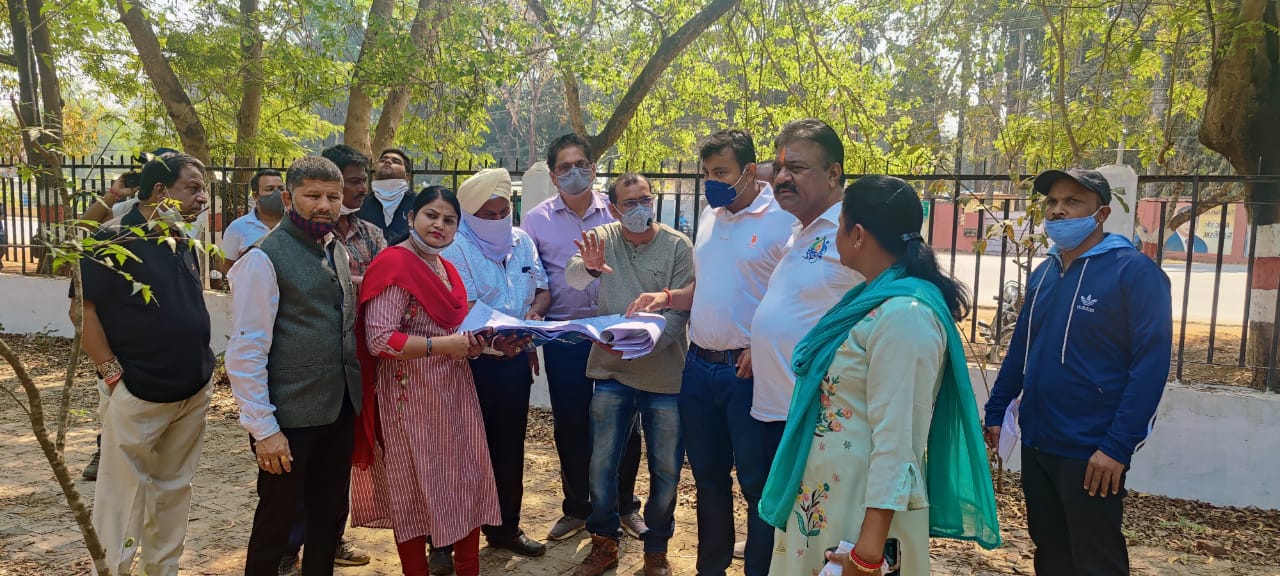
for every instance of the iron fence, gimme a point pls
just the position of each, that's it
(1211, 263)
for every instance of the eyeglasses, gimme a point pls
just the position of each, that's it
(629, 204)
(563, 169)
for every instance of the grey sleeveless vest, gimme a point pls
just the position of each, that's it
(312, 364)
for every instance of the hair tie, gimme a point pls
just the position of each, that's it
(909, 236)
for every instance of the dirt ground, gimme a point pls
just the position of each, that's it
(38, 535)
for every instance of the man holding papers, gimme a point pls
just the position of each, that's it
(499, 265)
(630, 257)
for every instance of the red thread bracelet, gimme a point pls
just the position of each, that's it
(667, 291)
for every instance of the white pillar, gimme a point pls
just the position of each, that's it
(1124, 184)
(535, 186)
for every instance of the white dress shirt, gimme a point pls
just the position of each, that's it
(807, 282)
(255, 299)
(508, 286)
(734, 256)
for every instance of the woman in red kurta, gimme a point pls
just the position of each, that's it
(421, 463)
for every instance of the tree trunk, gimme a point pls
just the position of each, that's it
(250, 113)
(1242, 122)
(165, 82)
(50, 87)
(360, 103)
(424, 43)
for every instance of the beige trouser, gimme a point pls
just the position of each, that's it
(150, 452)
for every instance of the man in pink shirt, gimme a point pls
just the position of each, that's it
(554, 224)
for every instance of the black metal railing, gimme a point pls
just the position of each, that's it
(1213, 273)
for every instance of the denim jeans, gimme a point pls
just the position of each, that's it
(571, 389)
(613, 410)
(715, 413)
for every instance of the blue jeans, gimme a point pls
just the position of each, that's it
(715, 413)
(613, 410)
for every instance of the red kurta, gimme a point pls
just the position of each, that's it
(431, 475)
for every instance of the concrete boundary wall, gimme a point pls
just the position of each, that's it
(1211, 443)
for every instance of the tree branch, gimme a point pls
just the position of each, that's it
(56, 461)
(667, 51)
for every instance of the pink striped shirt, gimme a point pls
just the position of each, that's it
(431, 475)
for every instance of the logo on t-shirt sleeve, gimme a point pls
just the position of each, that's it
(817, 249)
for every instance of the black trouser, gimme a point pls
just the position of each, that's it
(571, 390)
(321, 477)
(503, 388)
(1075, 534)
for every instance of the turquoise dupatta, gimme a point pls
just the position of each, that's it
(958, 477)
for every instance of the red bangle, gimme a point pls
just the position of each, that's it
(863, 564)
(667, 291)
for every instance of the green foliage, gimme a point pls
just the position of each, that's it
(911, 86)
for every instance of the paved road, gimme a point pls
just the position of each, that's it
(1232, 286)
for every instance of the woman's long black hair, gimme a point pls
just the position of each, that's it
(890, 210)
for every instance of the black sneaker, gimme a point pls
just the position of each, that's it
(441, 561)
(91, 471)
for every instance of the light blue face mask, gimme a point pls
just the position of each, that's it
(1068, 233)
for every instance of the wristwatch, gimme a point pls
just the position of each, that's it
(110, 371)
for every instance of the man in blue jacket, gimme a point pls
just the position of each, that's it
(1090, 356)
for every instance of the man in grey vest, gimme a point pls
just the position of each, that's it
(293, 369)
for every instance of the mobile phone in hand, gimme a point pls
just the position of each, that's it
(892, 557)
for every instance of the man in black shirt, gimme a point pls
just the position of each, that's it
(151, 350)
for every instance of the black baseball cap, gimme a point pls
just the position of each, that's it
(1091, 179)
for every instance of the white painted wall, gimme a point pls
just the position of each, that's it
(33, 304)
(1214, 444)
(1211, 443)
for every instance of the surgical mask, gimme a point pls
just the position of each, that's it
(388, 190)
(344, 211)
(422, 245)
(1069, 233)
(575, 181)
(638, 220)
(273, 204)
(313, 229)
(176, 221)
(720, 194)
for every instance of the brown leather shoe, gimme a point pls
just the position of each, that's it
(603, 556)
(655, 564)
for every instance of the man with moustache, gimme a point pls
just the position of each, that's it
(393, 196)
(555, 224)
(362, 239)
(809, 280)
(293, 369)
(266, 209)
(153, 359)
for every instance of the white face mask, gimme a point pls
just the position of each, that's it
(389, 190)
(345, 211)
(422, 245)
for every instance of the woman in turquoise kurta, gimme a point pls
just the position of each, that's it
(881, 381)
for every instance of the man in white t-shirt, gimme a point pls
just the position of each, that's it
(809, 280)
(742, 235)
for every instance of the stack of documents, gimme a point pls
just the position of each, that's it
(633, 337)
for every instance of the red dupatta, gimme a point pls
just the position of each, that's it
(399, 266)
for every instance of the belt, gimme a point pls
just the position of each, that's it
(717, 356)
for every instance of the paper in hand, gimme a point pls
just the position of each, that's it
(1010, 435)
(834, 568)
